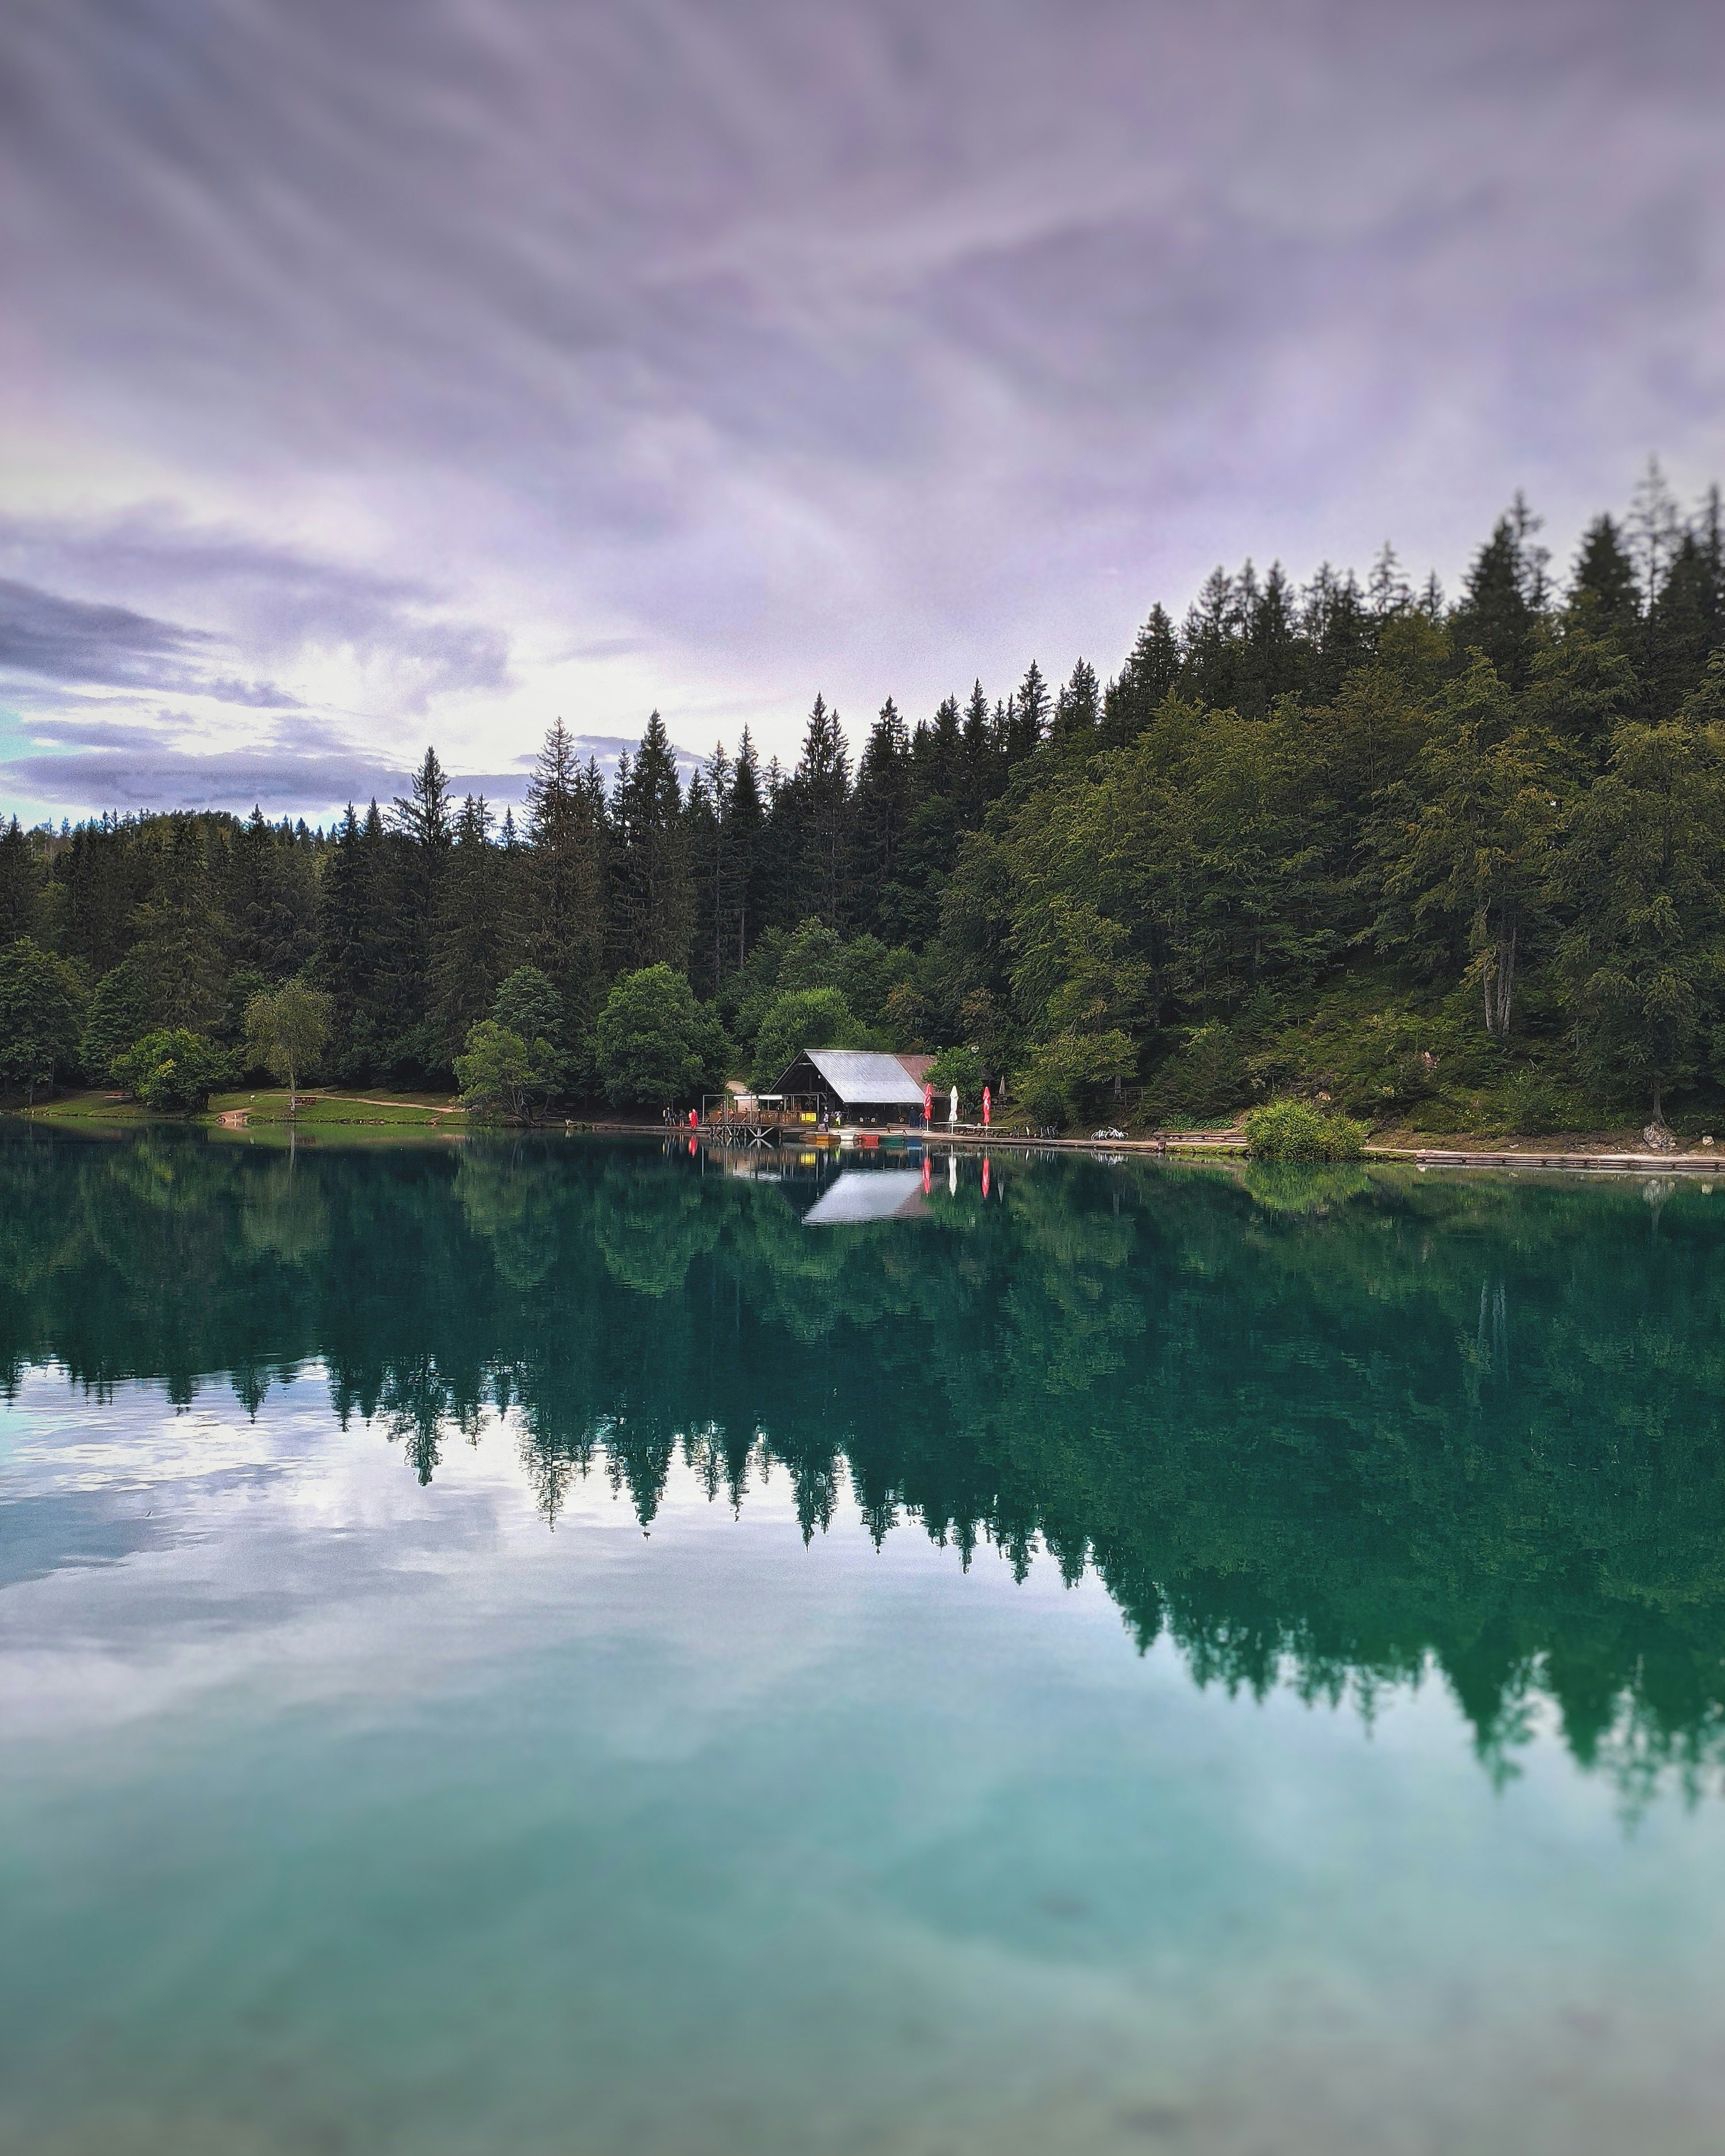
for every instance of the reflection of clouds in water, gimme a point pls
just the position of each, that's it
(287, 1558)
(177, 1448)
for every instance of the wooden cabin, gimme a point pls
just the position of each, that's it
(857, 1086)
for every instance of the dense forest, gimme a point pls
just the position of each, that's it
(1453, 865)
(1326, 1428)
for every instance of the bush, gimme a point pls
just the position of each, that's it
(1296, 1129)
(962, 1067)
(1047, 1105)
(174, 1071)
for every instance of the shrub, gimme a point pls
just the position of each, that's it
(1296, 1130)
(962, 1067)
(1047, 1105)
(173, 1070)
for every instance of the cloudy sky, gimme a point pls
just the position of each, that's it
(426, 369)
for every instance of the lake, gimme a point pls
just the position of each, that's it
(557, 1648)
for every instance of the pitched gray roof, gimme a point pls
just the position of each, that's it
(887, 1193)
(861, 1076)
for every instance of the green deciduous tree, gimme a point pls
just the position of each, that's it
(800, 1019)
(655, 1044)
(174, 1071)
(501, 1074)
(286, 1031)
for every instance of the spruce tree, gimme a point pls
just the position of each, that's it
(880, 811)
(181, 933)
(1496, 614)
(566, 905)
(1684, 627)
(477, 940)
(746, 843)
(1148, 677)
(655, 910)
(976, 787)
(20, 885)
(1031, 707)
(1602, 595)
(704, 815)
(423, 828)
(1078, 710)
(815, 819)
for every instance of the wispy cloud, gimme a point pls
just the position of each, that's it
(491, 361)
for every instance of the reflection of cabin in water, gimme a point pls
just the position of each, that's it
(854, 1085)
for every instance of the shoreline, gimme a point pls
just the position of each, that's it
(418, 1121)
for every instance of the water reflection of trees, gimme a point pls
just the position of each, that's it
(1325, 1436)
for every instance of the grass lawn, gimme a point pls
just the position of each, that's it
(91, 1108)
(380, 1105)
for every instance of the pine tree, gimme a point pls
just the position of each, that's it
(1210, 639)
(1270, 660)
(478, 939)
(1497, 613)
(1147, 679)
(566, 912)
(181, 934)
(976, 787)
(1684, 627)
(1078, 710)
(1337, 632)
(654, 912)
(745, 825)
(1603, 594)
(706, 814)
(19, 886)
(880, 812)
(1030, 711)
(814, 817)
(341, 936)
(425, 833)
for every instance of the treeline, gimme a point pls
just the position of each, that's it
(1442, 861)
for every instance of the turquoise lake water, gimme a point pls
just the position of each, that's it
(555, 1648)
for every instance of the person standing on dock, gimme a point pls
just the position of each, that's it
(988, 1103)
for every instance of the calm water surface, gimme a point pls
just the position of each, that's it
(559, 1648)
